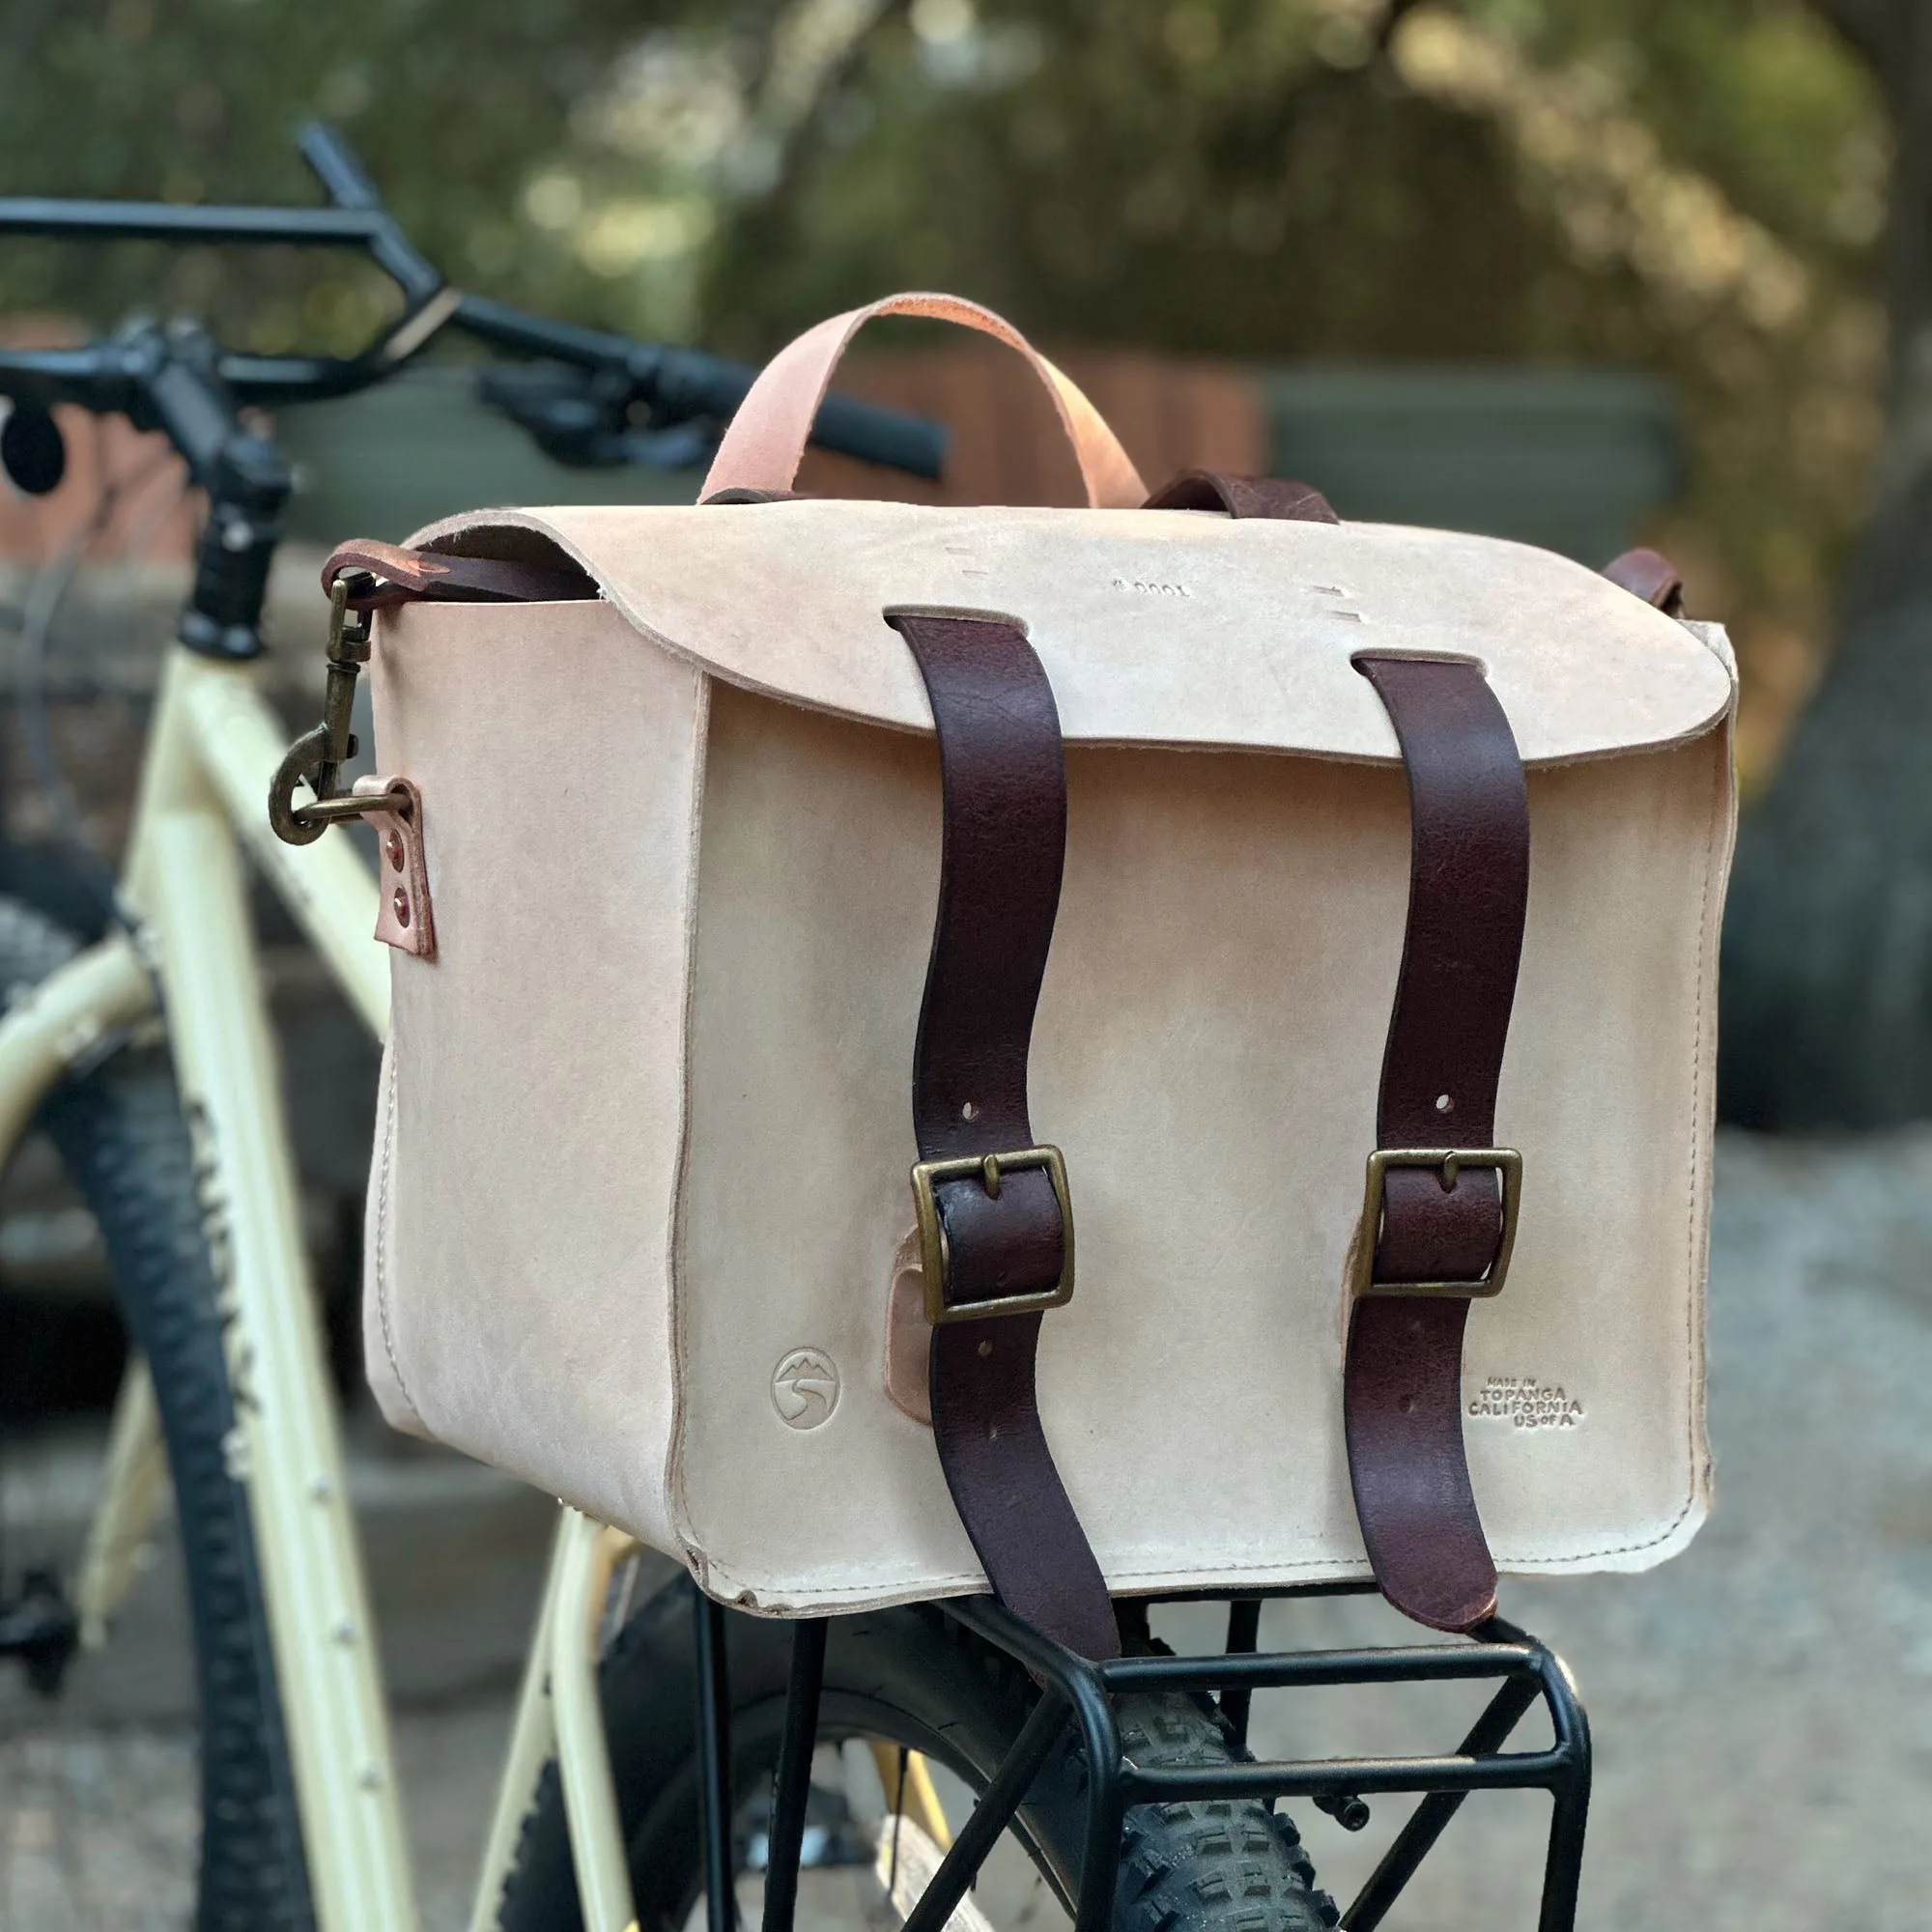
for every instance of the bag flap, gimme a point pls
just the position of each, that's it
(1158, 627)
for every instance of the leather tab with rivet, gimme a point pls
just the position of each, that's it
(404, 916)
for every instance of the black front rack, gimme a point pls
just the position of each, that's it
(1077, 1691)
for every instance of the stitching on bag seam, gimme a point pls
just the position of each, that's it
(382, 1196)
(677, 1509)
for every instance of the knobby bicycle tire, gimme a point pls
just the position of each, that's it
(911, 1676)
(121, 1135)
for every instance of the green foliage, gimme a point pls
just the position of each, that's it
(1758, 95)
(1192, 178)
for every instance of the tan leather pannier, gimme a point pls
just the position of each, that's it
(640, 1222)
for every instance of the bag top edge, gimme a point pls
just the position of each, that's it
(1158, 628)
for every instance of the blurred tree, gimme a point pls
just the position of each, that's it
(1697, 189)
(1828, 954)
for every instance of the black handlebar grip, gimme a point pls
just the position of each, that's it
(877, 434)
(691, 383)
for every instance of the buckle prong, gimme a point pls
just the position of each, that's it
(1448, 1163)
(935, 1252)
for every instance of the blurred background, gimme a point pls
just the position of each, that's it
(1581, 272)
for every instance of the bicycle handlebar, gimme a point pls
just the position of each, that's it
(675, 385)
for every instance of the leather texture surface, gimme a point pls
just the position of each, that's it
(1159, 627)
(1277, 496)
(645, 1138)
(763, 443)
(1469, 890)
(1004, 789)
(520, 1217)
(908, 1367)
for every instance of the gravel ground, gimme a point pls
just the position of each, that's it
(1762, 1706)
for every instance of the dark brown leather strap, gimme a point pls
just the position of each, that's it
(404, 576)
(1650, 575)
(1468, 891)
(1003, 774)
(1401, 1382)
(1277, 496)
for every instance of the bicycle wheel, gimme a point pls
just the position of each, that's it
(909, 1678)
(120, 1133)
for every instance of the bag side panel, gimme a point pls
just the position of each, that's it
(1207, 1054)
(520, 1292)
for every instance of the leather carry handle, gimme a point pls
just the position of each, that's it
(764, 442)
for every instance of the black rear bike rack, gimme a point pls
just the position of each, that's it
(1077, 1691)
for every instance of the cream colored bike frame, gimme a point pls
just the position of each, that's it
(214, 747)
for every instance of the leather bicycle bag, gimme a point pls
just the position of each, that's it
(1313, 924)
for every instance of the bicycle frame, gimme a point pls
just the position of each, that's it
(212, 747)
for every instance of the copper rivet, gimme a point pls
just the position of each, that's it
(401, 902)
(396, 849)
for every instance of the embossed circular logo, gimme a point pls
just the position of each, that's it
(805, 1388)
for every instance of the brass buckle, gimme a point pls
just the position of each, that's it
(935, 1255)
(1508, 1165)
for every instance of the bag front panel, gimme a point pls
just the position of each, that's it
(517, 1299)
(1207, 1054)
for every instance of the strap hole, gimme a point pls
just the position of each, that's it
(1444, 1104)
(970, 1111)
(992, 1431)
(1407, 1405)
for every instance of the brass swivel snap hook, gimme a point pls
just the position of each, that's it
(316, 758)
